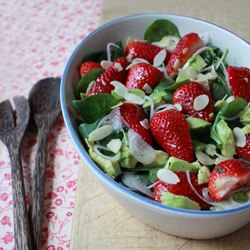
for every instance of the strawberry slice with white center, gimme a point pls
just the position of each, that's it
(184, 49)
(227, 177)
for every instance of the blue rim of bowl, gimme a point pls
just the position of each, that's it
(78, 144)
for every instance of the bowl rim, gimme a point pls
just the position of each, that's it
(85, 156)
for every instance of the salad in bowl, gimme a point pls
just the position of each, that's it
(168, 118)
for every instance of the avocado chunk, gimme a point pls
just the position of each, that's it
(156, 97)
(111, 168)
(196, 62)
(240, 197)
(160, 159)
(179, 201)
(246, 129)
(177, 165)
(203, 175)
(197, 125)
(127, 160)
(245, 117)
(198, 145)
(226, 137)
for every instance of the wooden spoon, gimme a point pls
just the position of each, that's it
(11, 133)
(45, 108)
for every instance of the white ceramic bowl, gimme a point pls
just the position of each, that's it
(184, 223)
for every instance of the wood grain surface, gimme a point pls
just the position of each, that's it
(99, 221)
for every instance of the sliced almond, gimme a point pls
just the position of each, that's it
(118, 67)
(101, 133)
(178, 106)
(120, 89)
(106, 64)
(200, 102)
(134, 99)
(168, 176)
(145, 123)
(147, 88)
(204, 159)
(159, 58)
(90, 87)
(239, 137)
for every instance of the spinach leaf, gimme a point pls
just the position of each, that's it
(95, 106)
(86, 128)
(87, 79)
(160, 28)
(117, 51)
(219, 88)
(164, 84)
(95, 56)
(152, 175)
(231, 109)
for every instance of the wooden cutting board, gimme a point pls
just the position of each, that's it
(99, 221)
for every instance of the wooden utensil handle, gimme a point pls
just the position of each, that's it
(21, 220)
(38, 187)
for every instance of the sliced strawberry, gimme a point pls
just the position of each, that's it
(133, 115)
(186, 95)
(116, 72)
(239, 81)
(147, 51)
(244, 152)
(85, 67)
(226, 177)
(184, 49)
(182, 188)
(141, 74)
(171, 131)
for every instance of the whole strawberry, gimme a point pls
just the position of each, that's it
(184, 49)
(85, 67)
(171, 131)
(182, 188)
(133, 115)
(116, 72)
(244, 152)
(188, 96)
(141, 74)
(239, 81)
(147, 51)
(226, 177)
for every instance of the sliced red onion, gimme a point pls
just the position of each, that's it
(164, 107)
(136, 61)
(103, 120)
(116, 119)
(135, 182)
(193, 188)
(206, 195)
(109, 45)
(97, 148)
(140, 149)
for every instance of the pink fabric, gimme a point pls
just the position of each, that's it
(36, 38)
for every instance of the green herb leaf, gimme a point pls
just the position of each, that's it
(160, 28)
(87, 79)
(219, 88)
(95, 106)
(229, 110)
(95, 56)
(86, 128)
(152, 175)
(117, 52)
